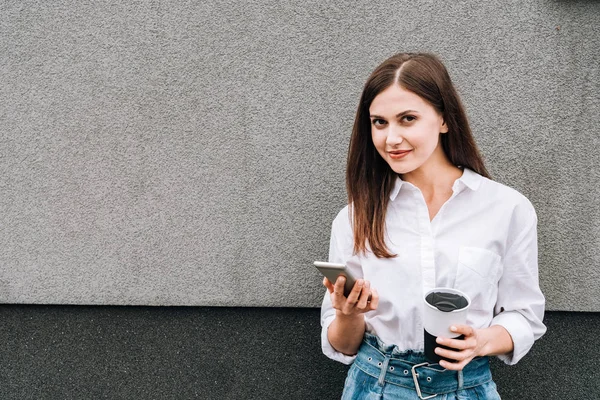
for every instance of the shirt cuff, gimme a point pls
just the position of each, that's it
(328, 349)
(520, 331)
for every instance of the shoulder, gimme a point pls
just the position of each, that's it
(507, 199)
(342, 222)
(505, 193)
(342, 237)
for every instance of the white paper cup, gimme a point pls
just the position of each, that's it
(443, 307)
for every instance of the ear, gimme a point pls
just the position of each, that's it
(443, 127)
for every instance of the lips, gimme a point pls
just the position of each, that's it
(398, 154)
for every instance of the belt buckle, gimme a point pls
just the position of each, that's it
(417, 386)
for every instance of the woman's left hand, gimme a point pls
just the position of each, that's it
(466, 349)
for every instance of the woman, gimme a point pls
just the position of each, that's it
(423, 213)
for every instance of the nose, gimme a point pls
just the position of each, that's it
(394, 136)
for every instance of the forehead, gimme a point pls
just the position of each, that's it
(396, 99)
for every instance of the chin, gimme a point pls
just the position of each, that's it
(400, 170)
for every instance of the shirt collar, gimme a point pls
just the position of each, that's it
(396, 188)
(469, 178)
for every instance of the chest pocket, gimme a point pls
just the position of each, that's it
(477, 274)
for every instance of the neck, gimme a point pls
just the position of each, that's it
(434, 180)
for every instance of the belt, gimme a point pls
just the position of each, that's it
(411, 370)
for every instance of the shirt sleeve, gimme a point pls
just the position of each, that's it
(336, 255)
(520, 304)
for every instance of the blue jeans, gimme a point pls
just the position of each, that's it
(383, 372)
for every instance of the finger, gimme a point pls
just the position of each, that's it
(452, 354)
(337, 296)
(338, 287)
(354, 294)
(462, 329)
(454, 366)
(328, 285)
(364, 296)
(459, 344)
(374, 299)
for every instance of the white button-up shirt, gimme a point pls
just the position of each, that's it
(483, 241)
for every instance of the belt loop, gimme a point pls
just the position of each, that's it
(384, 368)
(460, 380)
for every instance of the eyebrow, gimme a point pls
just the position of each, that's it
(403, 113)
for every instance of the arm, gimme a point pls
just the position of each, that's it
(342, 319)
(520, 304)
(519, 307)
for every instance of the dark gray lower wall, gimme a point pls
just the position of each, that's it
(81, 352)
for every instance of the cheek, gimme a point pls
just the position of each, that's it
(378, 138)
(427, 139)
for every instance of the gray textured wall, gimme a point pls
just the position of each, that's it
(193, 153)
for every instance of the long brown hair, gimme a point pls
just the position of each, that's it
(369, 179)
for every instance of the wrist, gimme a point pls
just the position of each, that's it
(484, 338)
(349, 318)
(346, 332)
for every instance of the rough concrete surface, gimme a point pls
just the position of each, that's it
(193, 153)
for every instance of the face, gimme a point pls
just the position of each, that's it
(406, 130)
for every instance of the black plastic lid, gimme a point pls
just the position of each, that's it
(446, 302)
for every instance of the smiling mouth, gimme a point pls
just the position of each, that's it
(397, 154)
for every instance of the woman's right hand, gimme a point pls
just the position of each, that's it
(346, 331)
(361, 299)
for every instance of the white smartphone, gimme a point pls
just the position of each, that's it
(331, 271)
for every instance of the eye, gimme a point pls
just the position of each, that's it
(378, 122)
(409, 118)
